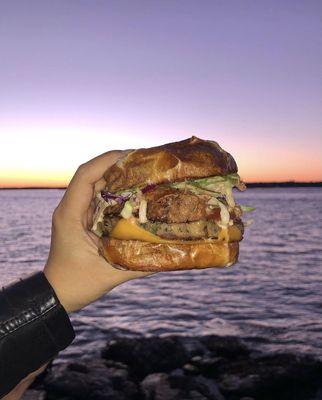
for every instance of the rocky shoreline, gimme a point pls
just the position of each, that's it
(182, 368)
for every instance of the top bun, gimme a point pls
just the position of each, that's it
(188, 159)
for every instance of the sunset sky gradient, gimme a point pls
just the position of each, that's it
(78, 78)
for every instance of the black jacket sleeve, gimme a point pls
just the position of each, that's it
(34, 327)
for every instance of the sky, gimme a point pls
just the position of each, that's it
(78, 78)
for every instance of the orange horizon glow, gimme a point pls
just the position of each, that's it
(18, 179)
(60, 179)
(49, 156)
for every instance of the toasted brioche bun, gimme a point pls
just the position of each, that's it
(136, 255)
(188, 159)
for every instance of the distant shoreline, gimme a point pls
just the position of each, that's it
(249, 185)
(283, 184)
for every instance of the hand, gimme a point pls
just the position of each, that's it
(23, 385)
(78, 274)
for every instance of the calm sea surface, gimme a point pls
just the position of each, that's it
(272, 297)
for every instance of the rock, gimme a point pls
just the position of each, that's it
(117, 376)
(160, 386)
(63, 381)
(196, 359)
(176, 385)
(185, 369)
(194, 395)
(280, 376)
(98, 383)
(241, 384)
(190, 369)
(115, 364)
(129, 389)
(247, 398)
(177, 378)
(193, 346)
(106, 393)
(318, 395)
(228, 347)
(145, 356)
(157, 387)
(34, 395)
(71, 383)
(209, 366)
(207, 387)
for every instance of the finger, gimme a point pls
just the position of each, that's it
(90, 215)
(80, 191)
(94, 238)
(99, 185)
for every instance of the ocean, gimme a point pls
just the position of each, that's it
(272, 298)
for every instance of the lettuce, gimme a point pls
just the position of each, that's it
(215, 186)
(194, 188)
(247, 208)
(233, 179)
(221, 184)
(127, 210)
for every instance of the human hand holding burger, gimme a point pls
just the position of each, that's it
(126, 214)
(76, 271)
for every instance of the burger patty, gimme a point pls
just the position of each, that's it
(114, 209)
(169, 205)
(108, 223)
(165, 204)
(185, 231)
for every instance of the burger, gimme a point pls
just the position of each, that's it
(170, 207)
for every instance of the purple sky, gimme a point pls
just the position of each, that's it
(80, 77)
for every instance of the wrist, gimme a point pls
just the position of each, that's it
(59, 290)
(75, 286)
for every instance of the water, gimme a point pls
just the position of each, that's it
(272, 297)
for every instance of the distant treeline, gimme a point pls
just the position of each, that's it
(283, 184)
(249, 185)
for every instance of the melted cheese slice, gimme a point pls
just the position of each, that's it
(128, 229)
(224, 235)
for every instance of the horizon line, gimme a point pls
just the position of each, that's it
(248, 184)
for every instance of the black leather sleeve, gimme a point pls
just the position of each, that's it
(34, 327)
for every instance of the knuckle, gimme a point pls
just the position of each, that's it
(56, 217)
(81, 170)
(114, 152)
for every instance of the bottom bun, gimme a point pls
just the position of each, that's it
(136, 255)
